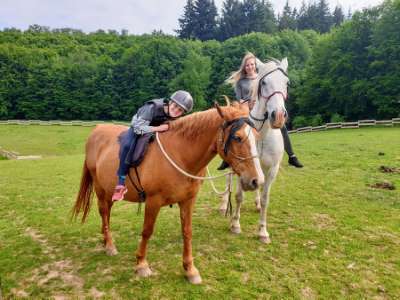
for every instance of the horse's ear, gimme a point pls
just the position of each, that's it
(227, 100)
(284, 64)
(219, 110)
(259, 65)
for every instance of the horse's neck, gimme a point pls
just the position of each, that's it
(271, 141)
(202, 151)
(196, 146)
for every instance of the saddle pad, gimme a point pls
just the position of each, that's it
(142, 144)
(137, 144)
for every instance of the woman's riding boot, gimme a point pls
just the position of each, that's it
(294, 161)
(289, 150)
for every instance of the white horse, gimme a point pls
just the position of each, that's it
(269, 115)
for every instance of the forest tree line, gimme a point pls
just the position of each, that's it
(200, 19)
(351, 72)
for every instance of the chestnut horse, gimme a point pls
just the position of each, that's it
(192, 142)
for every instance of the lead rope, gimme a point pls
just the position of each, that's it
(183, 171)
(229, 188)
(229, 207)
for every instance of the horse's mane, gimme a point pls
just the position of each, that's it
(264, 69)
(196, 124)
(199, 123)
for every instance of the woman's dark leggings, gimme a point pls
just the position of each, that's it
(286, 141)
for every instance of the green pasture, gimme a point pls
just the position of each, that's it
(333, 236)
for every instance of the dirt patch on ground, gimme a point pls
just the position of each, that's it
(307, 293)
(61, 271)
(385, 185)
(57, 276)
(95, 293)
(37, 237)
(386, 169)
(324, 221)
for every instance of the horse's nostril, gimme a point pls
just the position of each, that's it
(273, 115)
(254, 183)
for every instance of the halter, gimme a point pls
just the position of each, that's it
(265, 117)
(236, 125)
(276, 92)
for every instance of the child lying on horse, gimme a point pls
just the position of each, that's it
(151, 117)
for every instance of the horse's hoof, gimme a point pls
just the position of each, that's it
(195, 279)
(143, 272)
(236, 229)
(265, 239)
(111, 251)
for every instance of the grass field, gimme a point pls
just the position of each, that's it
(333, 236)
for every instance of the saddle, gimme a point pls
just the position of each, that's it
(138, 147)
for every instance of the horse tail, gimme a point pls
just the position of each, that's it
(85, 194)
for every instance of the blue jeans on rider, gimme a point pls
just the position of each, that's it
(127, 146)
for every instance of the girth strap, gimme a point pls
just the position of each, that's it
(139, 188)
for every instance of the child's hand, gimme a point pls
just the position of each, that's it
(161, 128)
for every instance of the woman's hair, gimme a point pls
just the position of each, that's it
(237, 75)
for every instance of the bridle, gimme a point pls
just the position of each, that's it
(260, 96)
(235, 125)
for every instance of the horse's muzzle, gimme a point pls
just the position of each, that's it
(278, 119)
(249, 184)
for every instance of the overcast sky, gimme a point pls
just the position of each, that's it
(136, 16)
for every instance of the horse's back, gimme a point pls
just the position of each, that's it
(102, 144)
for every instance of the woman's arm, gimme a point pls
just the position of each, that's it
(238, 91)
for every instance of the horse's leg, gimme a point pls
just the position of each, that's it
(257, 200)
(105, 205)
(225, 197)
(150, 215)
(263, 233)
(186, 211)
(235, 222)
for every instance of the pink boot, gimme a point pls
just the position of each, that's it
(119, 193)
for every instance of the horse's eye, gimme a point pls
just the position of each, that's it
(237, 138)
